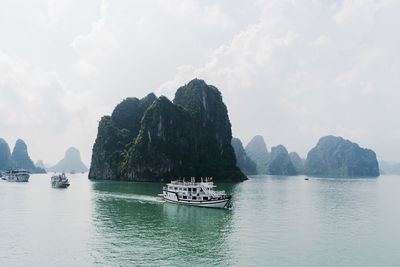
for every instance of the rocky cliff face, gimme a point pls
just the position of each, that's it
(246, 165)
(190, 136)
(21, 159)
(115, 136)
(337, 157)
(71, 162)
(280, 162)
(298, 162)
(5, 155)
(257, 151)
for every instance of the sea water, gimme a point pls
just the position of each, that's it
(275, 221)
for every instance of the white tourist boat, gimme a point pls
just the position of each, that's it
(59, 181)
(195, 194)
(16, 175)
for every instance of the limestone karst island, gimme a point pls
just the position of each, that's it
(200, 133)
(155, 139)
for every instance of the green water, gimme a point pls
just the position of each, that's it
(275, 221)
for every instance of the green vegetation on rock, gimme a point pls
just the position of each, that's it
(155, 139)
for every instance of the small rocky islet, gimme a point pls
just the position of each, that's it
(155, 139)
(333, 156)
(18, 159)
(71, 162)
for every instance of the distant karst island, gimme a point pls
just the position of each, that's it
(70, 163)
(155, 139)
(19, 159)
(333, 156)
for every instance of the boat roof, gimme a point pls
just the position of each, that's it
(184, 183)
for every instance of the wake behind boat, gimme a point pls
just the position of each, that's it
(59, 181)
(195, 194)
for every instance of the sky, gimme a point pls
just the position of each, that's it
(289, 70)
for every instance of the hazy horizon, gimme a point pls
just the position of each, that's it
(291, 71)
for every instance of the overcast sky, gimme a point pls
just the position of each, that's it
(291, 71)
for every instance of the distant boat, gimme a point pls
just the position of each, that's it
(195, 194)
(72, 172)
(306, 179)
(19, 175)
(59, 181)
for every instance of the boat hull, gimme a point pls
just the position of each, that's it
(216, 204)
(60, 185)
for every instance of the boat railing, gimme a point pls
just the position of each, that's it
(210, 191)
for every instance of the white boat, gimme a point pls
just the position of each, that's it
(59, 181)
(16, 175)
(195, 194)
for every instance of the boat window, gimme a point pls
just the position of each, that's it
(194, 198)
(184, 197)
(205, 198)
(185, 189)
(194, 190)
(190, 189)
(176, 188)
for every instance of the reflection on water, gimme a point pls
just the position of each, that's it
(131, 222)
(275, 221)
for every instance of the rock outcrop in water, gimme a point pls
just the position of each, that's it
(5, 155)
(70, 163)
(116, 135)
(280, 162)
(337, 157)
(21, 159)
(257, 151)
(154, 139)
(298, 162)
(246, 165)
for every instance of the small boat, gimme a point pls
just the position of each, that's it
(19, 175)
(306, 179)
(199, 194)
(59, 181)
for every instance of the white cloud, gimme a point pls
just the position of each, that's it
(322, 40)
(296, 74)
(289, 70)
(97, 47)
(55, 9)
(360, 11)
